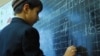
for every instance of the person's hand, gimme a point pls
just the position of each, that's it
(71, 51)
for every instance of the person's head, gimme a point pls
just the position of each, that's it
(27, 9)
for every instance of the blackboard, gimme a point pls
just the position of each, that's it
(70, 22)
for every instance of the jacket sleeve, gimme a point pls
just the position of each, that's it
(30, 43)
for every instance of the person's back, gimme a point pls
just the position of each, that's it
(19, 38)
(11, 38)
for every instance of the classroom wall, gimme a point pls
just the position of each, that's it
(6, 13)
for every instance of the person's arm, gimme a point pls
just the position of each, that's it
(30, 43)
(70, 51)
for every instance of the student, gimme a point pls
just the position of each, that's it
(19, 38)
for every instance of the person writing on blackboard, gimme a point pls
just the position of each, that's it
(19, 38)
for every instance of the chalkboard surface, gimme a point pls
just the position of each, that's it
(70, 22)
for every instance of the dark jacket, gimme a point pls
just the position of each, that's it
(19, 39)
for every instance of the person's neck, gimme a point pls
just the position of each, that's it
(23, 18)
(20, 16)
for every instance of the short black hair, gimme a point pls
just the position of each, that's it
(17, 5)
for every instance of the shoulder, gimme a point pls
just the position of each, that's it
(31, 30)
(31, 33)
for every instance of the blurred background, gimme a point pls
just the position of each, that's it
(64, 23)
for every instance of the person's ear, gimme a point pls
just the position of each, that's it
(26, 8)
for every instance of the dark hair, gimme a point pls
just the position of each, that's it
(18, 5)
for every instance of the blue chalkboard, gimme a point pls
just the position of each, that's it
(70, 22)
